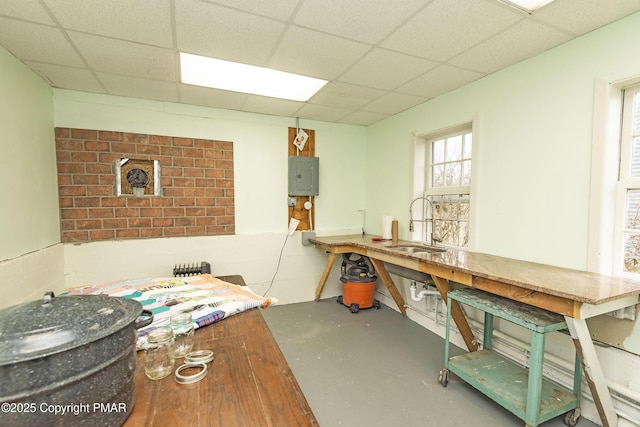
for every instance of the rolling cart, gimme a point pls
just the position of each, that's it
(523, 392)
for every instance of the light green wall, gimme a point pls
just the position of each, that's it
(260, 153)
(532, 169)
(260, 168)
(29, 218)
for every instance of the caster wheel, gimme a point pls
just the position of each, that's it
(354, 308)
(339, 299)
(444, 377)
(571, 418)
(376, 304)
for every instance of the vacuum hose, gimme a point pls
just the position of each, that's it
(360, 268)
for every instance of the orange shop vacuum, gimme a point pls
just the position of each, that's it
(358, 283)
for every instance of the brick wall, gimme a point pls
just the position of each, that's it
(196, 181)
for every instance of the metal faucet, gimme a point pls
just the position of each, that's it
(434, 239)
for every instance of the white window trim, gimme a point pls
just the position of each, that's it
(420, 166)
(605, 248)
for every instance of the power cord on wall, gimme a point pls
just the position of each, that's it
(278, 266)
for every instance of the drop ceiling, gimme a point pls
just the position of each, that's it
(380, 57)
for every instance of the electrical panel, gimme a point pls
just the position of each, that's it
(303, 175)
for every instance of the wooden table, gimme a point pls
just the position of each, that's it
(577, 295)
(249, 382)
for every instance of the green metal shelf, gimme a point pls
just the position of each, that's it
(505, 382)
(524, 392)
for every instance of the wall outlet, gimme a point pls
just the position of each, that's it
(291, 202)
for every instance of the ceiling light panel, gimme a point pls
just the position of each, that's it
(236, 77)
(529, 5)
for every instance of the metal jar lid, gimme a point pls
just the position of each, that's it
(52, 325)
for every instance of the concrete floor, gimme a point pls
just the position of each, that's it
(377, 368)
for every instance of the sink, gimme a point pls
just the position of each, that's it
(408, 273)
(417, 248)
(412, 248)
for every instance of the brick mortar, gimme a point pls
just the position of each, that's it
(197, 195)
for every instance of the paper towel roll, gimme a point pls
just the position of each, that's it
(386, 226)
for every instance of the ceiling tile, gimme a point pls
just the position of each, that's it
(322, 113)
(393, 103)
(523, 40)
(368, 21)
(139, 88)
(362, 118)
(223, 33)
(447, 27)
(38, 43)
(279, 9)
(143, 21)
(380, 57)
(383, 69)
(66, 77)
(582, 16)
(125, 58)
(346, 95)
(439, 80)
(30, 10)
(272, 106)
(316, 54)
(217, 98)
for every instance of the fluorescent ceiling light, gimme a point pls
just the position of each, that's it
(528, 5)
(219, 74)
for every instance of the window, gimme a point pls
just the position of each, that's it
(628, 259)
(446, 186)
(614, 210)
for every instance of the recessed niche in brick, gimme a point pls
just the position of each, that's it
(137, 177)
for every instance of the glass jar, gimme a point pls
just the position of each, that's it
(183, 332)
(158, 353)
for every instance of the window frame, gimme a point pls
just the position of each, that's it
(605, 250)
(423, 175)
(625, 182)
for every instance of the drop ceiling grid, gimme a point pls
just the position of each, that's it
(520, 41)
(368, 21)
(448, 27)
(67, 77)
(121, 57)
(582, 16)
(316, 54)
(439, 80)
(30, 10)
(140, 21)
(35, 42)
(220, 32)
(380, 57)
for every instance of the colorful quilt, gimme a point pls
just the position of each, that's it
(207, 298)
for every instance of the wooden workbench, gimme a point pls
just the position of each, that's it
(249, 382)
(577, 295)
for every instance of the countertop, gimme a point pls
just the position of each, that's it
(249, 382)
(577, 295)
(576, 285)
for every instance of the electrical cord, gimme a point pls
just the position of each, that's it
(310, 216)
(277, 266)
